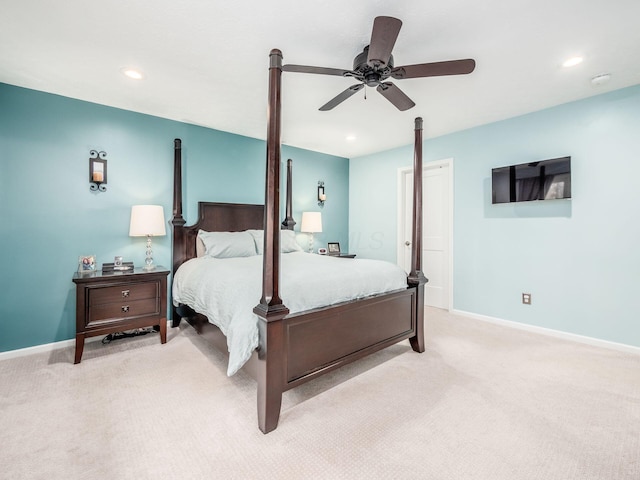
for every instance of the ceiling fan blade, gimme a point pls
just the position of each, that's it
(436, 69)
(337, 100)
(383, 38)
(396, 96)
(317, 70)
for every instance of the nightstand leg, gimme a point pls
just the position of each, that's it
(79, 347)
(163, 330)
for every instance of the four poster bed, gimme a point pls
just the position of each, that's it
(292, 345)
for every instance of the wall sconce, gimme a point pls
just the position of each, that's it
(97, 171)
(321, 195)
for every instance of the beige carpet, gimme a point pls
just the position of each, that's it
(483, 402)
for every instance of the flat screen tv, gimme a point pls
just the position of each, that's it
(542, 180)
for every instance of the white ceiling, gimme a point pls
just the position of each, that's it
(206, 61)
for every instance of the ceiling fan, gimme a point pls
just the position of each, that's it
(375, 64)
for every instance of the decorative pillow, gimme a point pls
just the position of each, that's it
(227, 244)
(288, 242)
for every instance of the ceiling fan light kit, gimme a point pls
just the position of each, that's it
(374, 65)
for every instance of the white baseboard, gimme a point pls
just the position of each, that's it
(49, 347)
(621, 347)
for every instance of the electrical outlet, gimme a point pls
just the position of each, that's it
(526, 298)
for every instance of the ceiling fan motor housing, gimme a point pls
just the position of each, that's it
(371, 76)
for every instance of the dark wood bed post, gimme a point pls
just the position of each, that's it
(289, 222)
(271, 310)
(416, 277)
(177, 221)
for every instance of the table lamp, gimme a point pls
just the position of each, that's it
(147, 221)
(311, 223)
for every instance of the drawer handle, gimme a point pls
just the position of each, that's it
(125, 308)
(125, 293)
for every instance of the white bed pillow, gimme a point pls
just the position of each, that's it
(227, 244)
(288, 242)
(258, 239)
(199, 246)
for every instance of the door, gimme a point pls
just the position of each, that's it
(436, 229)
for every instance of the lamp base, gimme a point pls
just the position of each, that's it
(149, 256)
(310, 242)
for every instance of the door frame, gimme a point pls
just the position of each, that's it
(402, 174)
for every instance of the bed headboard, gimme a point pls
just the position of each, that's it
(213, 216)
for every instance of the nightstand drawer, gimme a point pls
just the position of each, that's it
(123, 309)
(123, 293)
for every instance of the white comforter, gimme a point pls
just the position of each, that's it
(226, 290)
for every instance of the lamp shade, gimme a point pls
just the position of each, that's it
(311, 222)
(147, 220)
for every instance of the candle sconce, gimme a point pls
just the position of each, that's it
(97, 171)
(322, 197)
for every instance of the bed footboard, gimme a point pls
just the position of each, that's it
(322, 340)
(297, 348)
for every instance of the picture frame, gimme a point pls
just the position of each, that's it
(333, 248)
(87, 263)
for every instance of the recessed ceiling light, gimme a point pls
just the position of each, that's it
(132, 73)
(601, 79)
(572, 62)
(350, 138)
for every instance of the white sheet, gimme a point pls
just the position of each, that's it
(226, 290)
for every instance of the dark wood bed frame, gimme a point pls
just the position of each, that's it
(296, 348)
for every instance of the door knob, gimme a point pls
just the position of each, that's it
(407, 243)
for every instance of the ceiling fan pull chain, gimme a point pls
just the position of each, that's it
(365, 93)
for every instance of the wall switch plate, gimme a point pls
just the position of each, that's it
(526, 298)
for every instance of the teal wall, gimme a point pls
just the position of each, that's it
(578, 258)
(49, 216)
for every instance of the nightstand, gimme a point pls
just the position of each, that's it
(114, 302)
